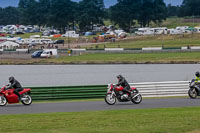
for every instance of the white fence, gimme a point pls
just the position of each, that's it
(162, 89)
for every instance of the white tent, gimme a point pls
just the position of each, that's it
(9, 45)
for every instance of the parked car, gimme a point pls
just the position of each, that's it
(18, 33)
(37, 54)
(2, 35)
(59, 42)
(46, 54)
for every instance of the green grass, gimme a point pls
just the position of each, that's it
(130, 58)
(27, 35)
(114, 58)
(166, 120)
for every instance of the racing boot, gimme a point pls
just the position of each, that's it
(19, 98)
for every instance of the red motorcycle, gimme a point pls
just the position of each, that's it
(8, 96)
(115, 92)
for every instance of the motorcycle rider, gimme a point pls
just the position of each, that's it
(122, 81)
(16, 85)
(197, 81)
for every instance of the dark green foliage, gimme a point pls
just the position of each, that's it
(28, 12)
(172, 10)
(42, 12)
(189, 8)
(65, 14)
(146, 12)
(90, 12)
(62, 13)
(9, 16)
(125, 12)
(159, 11)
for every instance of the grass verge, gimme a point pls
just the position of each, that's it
(166, 120)
(128, 58)
(114, 58)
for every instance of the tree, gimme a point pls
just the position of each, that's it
(125, 12)
(28, 11)
(43, 12)
(172, 10)
(146, 12)
(189, 8)
(160, 11)
(9, 16)
(62, 13)
(90, 12)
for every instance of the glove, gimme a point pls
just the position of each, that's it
(7, 87)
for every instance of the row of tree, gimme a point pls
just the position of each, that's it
(127, 12)
(188, 8)
(63, 14)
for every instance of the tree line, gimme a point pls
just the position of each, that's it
(188, 8)
(65, 14)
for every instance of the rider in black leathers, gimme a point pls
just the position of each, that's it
(122, 81)
(16, 85)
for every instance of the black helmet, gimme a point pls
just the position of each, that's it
(11, 79)
(119, 76)
(197, 74)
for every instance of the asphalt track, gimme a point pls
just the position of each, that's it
(75, 75)
(96, 106)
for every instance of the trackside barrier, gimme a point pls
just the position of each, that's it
(147, 89)
(163, 89)
(68, 92)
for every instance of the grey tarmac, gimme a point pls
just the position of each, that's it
(97, 106)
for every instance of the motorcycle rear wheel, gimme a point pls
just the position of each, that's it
(110, 100)
(3, 101)
(192, 93)
(137, 99)
(28, 101)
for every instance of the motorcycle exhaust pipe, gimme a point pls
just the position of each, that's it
(24, 99)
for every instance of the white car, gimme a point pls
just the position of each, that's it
(45, 54)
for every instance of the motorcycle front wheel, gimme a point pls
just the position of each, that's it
(137, 99)
(192, 93)
(3, 101)
(110, 99)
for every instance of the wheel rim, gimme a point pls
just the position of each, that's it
(110, 99)
(193, 93)
(28, 101)
(3, 101)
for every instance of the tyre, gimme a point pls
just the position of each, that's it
(3, 101)
(192, 93)
(137, 99)
(26, 100)
(110, 100)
